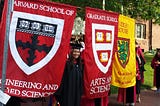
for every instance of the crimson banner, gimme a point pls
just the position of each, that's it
(101, 30)
(39, 39)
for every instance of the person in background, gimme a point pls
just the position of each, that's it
(154, 88)
(140, 61)
(70, 90)
(127, 96)
(155, 64)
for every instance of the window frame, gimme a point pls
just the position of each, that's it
(140, 31)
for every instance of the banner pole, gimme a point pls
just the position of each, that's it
(103, 5)
(5, 49)
(122, 8)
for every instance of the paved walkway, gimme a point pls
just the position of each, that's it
(148, 98)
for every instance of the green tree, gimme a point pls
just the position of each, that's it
(81, 4)
(141, 9)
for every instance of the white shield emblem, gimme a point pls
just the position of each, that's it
(102, 44)
(35, 26)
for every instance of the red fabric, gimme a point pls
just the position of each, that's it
(87, 102)
(143, 77)
(121, 95)
(91, 102)
(104, 101)
(2, 28)
(26, 81)
(139, 53)
(154, 73)
(97, 73)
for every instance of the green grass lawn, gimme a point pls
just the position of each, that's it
(148, 74)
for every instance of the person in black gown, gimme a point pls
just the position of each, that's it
(70, 90)
(14, 101)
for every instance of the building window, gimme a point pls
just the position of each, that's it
(141, 31)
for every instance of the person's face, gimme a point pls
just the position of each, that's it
(136, 45)
(76, 53)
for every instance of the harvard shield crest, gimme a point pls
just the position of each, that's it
(102, 44)
(123, 51)
(34, 40)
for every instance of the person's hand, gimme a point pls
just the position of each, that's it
(157, 62)
(137, 73)
(140, 65)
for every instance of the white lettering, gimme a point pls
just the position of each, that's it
(100, 81)
(56, 10)
(34, 94)
(13, 91)
(100, 85)
(23, 84)
(100, 89)
(44, 8)
(101, 17)
(50, 87)
(26, 4)
(69, 12)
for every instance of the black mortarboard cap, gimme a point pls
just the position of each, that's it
(158, 49)
(76, 45)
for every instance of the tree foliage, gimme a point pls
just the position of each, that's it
(138, 9)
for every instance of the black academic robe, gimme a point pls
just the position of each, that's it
(70, 90)
(14, 101)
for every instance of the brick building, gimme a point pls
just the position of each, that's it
(156, 36)
(142, 35)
